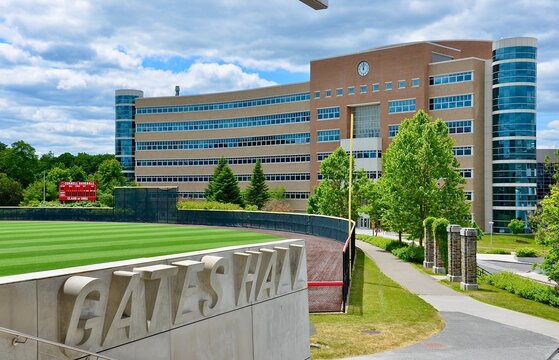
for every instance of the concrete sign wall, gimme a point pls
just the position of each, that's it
(247, 302)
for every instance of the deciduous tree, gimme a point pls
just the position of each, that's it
(331, 196)
(421, 177)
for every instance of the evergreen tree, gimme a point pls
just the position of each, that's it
(212, 189)
(257, 191)
(226, 187)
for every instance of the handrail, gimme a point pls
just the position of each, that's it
(16, 340)
(553, 355)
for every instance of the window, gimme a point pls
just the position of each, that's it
(459, 127)
(328, 113)
(451, 78)
(462, 150)
(351, 90)
(363, 89)
(469, 195)
(401, 84)
(415, 83)
(375, 87)
(328, 93)
(400, 106)
(467, 173)
(339, 92)
(328, 135)
(388, 85)
(367, 121)
(451, 102)
(317, 94)
(393, 130)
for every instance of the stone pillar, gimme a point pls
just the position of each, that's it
(429, 248)
(468, 243)
(454, 254)
(438, 262)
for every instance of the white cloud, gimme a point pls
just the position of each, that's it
(61, 60)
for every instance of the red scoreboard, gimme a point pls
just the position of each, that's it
(77, 191)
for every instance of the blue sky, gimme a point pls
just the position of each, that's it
(61, 60)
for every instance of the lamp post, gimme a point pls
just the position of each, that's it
(491, 233)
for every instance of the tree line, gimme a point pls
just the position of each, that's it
(27, 179)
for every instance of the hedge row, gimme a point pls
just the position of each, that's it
(399, 249)
(523, 287)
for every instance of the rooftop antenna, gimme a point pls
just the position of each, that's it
(177, 90)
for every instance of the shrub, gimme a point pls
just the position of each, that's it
(526, 252)
(383, 243)
(395, 244)
(410, 254)
(498, 251)
(523, 287)
(206, 205)
(276, 205)
(251, 207)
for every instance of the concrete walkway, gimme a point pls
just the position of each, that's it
(474, 330)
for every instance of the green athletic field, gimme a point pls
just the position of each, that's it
(29, 246)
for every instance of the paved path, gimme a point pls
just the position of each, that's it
(474, 330)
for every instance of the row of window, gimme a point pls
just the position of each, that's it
(124, 129)
(268, 140)
(451, 78)
(279, 159)
(401, 106)
(207, 178)
(359, 154)
(370, 175)
(515, 52)
(514, 173)
(454, 127)
(282, 99)
(519, 97)
(328, 113)
(514, 196)
(328, 135)
(363, 88)
(124, 112)
(199, 195)
(451, 102)
(462, 150)
(125, 99)
(514, 124)
(514, 149)
(519, 71)
(264, 120)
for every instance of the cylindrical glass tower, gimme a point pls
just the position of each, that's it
(125, 112)
(514, 130)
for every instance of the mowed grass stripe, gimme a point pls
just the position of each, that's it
(70, 237)
(54, 245)
(108, 244)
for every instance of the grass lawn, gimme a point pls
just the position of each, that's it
(376, 303)
(502, 298)
(29, 246)
(508, 243)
